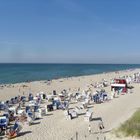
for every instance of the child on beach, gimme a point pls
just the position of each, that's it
(89, 129)
(101, 126)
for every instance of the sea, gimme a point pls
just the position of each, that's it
(16, 73)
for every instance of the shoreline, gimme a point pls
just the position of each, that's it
(78, 76)
(55, 126)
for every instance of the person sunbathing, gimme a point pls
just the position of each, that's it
(14, 131)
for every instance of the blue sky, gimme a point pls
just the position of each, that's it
(70, 31)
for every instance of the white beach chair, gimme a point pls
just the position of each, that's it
(79, 111)
(44, 110)
(20, 112)
(38, 115)
(32, 103)
(86, 103)
(43, 100)
(68, 117)
(73, 113)
(54, 107)
(13, 109)
(88, 116)
(35, 98)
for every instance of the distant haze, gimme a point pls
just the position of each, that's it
(70, 31)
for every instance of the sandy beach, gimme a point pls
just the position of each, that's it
(69, 69)
(54, 126)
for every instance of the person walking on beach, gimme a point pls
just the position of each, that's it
(89, 129)
(101, 126)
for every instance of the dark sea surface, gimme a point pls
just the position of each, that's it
(15, 73)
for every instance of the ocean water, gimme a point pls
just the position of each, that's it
(15, 73)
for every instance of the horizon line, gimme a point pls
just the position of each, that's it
(67, 63)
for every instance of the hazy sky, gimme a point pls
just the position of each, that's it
(70, 31)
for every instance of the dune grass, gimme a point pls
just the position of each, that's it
(131, 127)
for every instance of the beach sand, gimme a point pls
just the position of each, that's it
(54, 126)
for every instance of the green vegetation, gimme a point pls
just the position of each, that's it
(131, 127)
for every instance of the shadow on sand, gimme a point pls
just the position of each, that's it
(50, 114)
(24, 133)
(104, 132)
(97, 119)
(35, 123)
